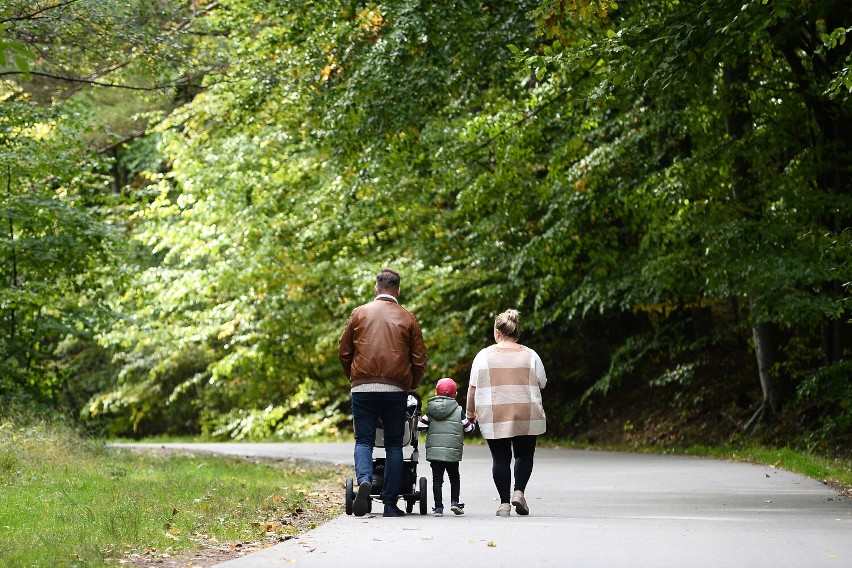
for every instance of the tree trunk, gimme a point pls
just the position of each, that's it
(13, 278)
(765, 333)
(775, 389)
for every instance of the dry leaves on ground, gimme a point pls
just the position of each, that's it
(324, 502)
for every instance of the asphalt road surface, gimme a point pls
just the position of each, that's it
(587, 509)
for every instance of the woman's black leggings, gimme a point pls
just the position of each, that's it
(501, 463)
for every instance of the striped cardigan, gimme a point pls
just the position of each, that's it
(506, 384)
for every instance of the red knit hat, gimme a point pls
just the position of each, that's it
(446, 387)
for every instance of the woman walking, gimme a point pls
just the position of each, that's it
(504, 397)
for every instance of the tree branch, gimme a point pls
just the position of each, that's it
(182, 25)
(529, 115)
(113, 145)
(37, 13)
(99, 83)
(92, 79)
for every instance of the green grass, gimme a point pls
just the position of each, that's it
(69, 502)
(836, 472)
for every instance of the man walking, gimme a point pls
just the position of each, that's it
(383, 354)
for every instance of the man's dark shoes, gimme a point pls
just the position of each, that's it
(361, 506)
(393, 511)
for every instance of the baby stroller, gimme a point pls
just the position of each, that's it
(410, 488)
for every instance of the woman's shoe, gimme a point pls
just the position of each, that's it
(504, 510)
(520, 503)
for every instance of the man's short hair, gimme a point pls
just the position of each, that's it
(387, 280)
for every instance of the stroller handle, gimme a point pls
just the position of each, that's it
(414, 401)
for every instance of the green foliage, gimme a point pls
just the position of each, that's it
(62, 236)
(592, 176)
(52, 248)
(616, 171)
(21, 56)
(826, 394)
(268, 235)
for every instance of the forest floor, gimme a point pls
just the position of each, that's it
(707, 412)
(710, 405)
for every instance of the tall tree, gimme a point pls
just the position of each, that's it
(728, 207)
(60, 240)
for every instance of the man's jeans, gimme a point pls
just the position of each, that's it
(367, 408)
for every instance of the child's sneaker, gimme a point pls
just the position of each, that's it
(437, 511)
(458, 508)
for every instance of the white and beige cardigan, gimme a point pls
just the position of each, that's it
(506, 384)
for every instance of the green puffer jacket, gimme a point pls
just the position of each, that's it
(445, 436)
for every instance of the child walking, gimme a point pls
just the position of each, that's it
(445, 424)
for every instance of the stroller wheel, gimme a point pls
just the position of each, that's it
(350, 495)
(423, 490)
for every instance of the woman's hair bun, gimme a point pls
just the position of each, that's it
(507, 323)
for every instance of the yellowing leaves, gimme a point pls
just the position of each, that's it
(331, 70)
(231, 327)
(370, 20)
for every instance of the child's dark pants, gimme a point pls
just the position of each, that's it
(452, 469)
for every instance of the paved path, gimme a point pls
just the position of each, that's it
(588, 509)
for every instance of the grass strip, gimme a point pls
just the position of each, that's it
(65, 501)
(836, 472)
(833, 471)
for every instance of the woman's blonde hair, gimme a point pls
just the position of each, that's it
(507, 324)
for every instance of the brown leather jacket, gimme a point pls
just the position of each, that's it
(382, 343)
